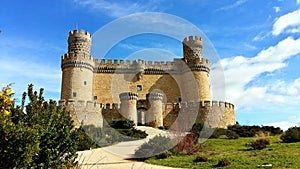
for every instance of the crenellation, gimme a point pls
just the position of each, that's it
(109, 62)
(221, 104)
(207, 103)
(115, 106)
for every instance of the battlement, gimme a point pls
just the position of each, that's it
(88, 106)
(149, 67)
(203, 104)
(73, 56)
(128, 96)
(80, 34)
(193, 41)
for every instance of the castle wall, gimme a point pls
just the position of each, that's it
(107, 86)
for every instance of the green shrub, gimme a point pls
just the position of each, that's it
(42, 137)
(231, 134)
(164, 155)
(223, 163)
(200, 159)
(122, 124)
(291, 135)
(258, 144)
(154, 146)
(251, 131)
(85, 142)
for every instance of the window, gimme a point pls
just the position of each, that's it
(179, 99)
(85, 83)
(74, 94)
(95, 97)
(139, 88)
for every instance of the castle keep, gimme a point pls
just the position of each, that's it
(149, 93)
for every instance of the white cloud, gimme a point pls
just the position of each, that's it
(120, 8)
(240, 71)
(298, 1)
(231, 6)
(277, 9)
(286, 22)
(284, 125)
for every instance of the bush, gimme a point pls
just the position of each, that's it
(122, 124)
(200, 159)
(231, 134)
(154, 146)
(85, 142)
(258, 144)
(251, 131)
(291, 135)
(42, 137)
(223, 163)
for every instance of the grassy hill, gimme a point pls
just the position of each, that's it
(280, 155)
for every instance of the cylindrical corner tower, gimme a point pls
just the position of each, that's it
(154, 115)
(200, 67)
(77, 67)
(128, 106)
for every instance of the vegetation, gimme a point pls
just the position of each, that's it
(93, 137)
(40, 136)
(291, 135)
(251, 131)
(154, 146)
(280, 155)
(258, 144)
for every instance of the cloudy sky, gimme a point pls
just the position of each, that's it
(257, 42)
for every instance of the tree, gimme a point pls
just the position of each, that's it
(42, 137)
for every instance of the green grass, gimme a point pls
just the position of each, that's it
(280, 155)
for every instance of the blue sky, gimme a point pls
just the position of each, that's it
(258, 43)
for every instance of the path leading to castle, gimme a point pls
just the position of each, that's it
(114, 157)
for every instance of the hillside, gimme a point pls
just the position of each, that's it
(279, 155)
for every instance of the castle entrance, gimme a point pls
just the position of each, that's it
(141, 112)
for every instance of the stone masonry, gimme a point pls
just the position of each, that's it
(149, 93)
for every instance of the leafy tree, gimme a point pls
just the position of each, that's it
(291, 135)
(42, 137)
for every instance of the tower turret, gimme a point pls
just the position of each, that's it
(128, 105)
(77, 67)
(154, 115)
(200, 67)
(192, 49)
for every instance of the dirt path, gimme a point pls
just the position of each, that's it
(114, 157)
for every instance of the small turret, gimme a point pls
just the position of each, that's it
(79, 43)
(192, 49)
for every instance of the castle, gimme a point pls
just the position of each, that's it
(169, 94)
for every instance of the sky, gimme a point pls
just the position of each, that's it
(257, 43)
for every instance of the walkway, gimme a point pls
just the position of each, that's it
(114, 157)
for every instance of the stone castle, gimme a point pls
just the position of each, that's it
(169, 94)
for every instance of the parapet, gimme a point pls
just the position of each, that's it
(155, 96)
(88, 106)
(81, 33)
(149, 67)
(128, 96)
(193, 41)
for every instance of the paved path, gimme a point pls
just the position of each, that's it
(114, 157)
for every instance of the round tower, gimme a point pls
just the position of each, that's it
(77, 67)
(128, 106)
(154, 115)
(200, 67)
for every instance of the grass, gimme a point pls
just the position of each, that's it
(280, 155)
